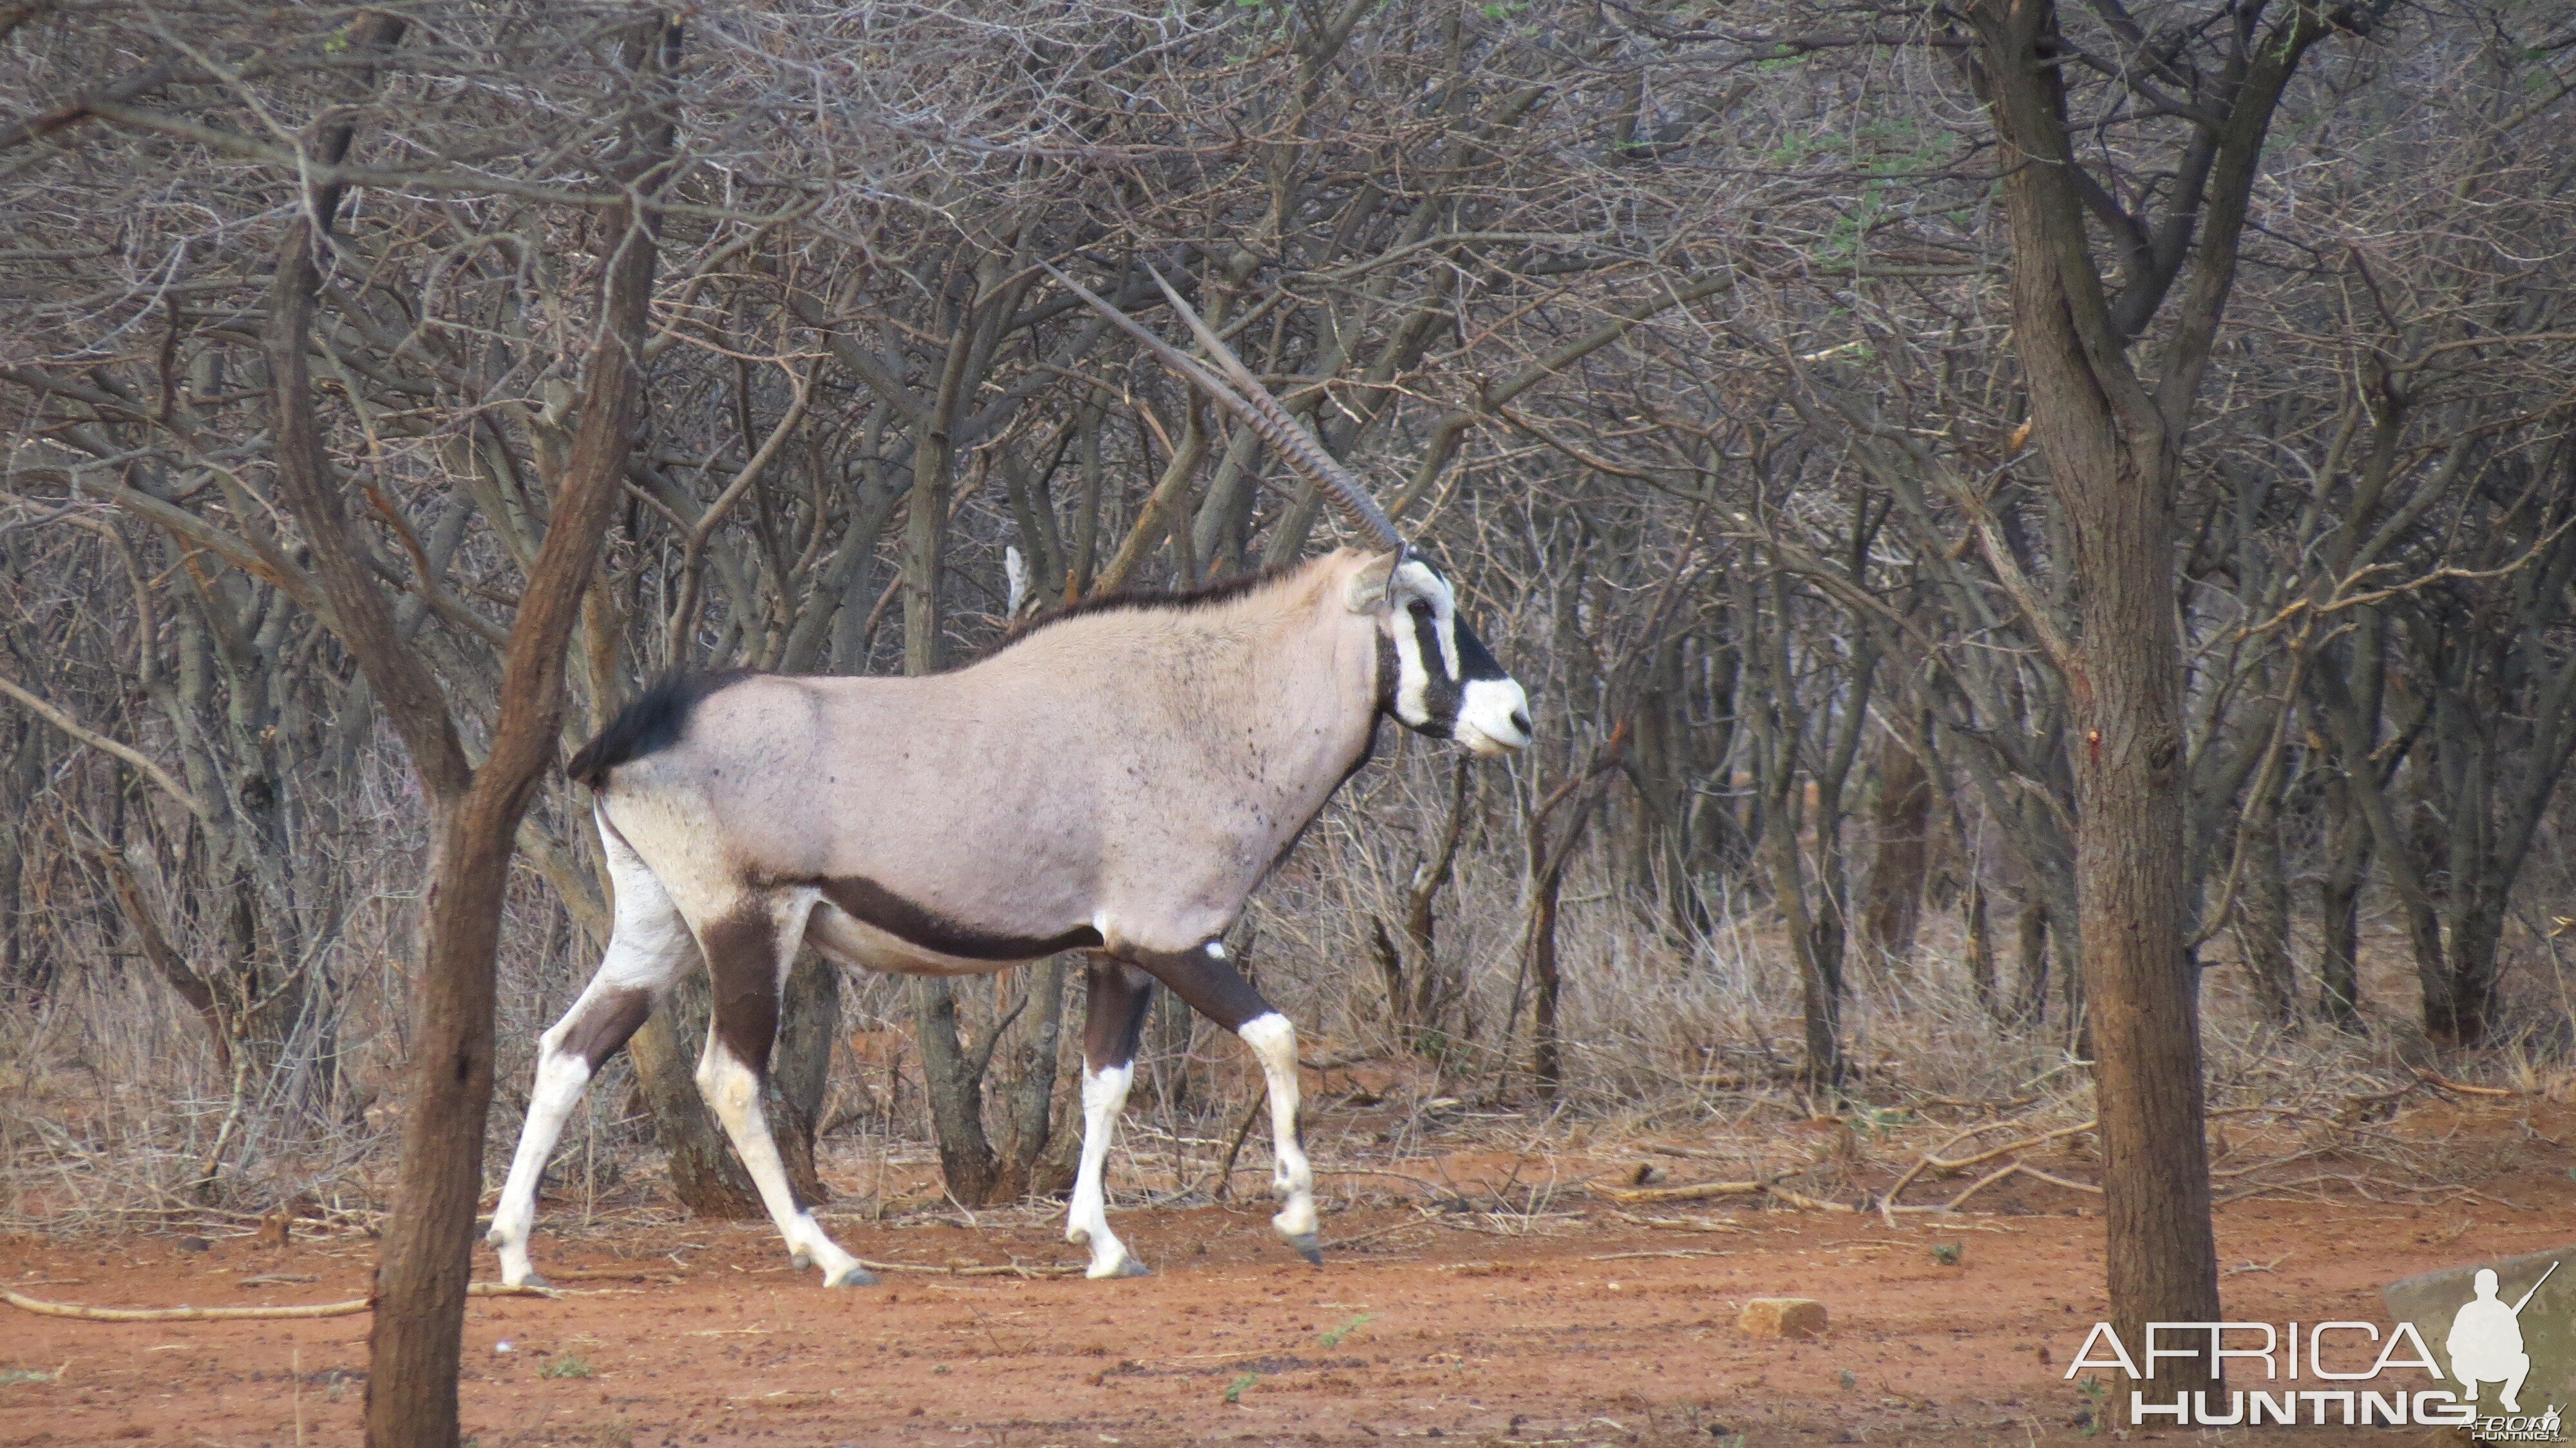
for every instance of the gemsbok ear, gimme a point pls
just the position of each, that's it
(1367, 590)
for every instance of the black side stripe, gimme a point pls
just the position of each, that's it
(873, 904)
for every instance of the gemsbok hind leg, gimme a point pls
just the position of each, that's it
(647, 949)
(748, 949)
(1113, 1022)
(1204, 978)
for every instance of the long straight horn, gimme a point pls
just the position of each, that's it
(1252, 402)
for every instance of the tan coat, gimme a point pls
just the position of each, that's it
(1123, 777)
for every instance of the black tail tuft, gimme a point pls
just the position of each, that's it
(654, 721)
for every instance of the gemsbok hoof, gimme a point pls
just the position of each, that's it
(853, 1275)
(1310, 1247)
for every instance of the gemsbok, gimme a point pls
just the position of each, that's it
(1117, 778)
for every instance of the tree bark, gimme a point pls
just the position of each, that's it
(2263, 919)
(2143, 1015)
(2030, 978)
(417, 1340)
(1981, 947)
(800, 1068)
(1549, 853)
(1547, 1047)
(955, 1084)
(1896, 869)
(2111, 444)
(1820, 984)
(1029, 1126)
(2347, 866)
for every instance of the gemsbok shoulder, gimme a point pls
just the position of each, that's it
(1117, 779)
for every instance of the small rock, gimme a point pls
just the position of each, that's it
(194, 1244)
(1782, 1317)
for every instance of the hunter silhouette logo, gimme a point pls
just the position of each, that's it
(2507, 1360)
(2485, 1341)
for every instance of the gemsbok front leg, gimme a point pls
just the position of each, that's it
(1113, 1022)
(1204, 978)
(748, 947)
(647, 949)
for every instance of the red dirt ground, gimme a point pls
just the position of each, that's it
(1584, 1330)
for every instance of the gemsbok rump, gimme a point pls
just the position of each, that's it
(1117, 779)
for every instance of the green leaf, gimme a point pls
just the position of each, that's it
(1334, 1337)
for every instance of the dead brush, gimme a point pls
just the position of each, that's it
(1681, 1062)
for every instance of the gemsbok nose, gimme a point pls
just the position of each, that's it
(1493, 716)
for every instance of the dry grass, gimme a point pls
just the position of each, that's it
(1682, 1057)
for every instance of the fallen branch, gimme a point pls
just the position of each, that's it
(1679, 1224)
(1702, 1191)
(2445, 1083)
(1009, 1269)
(350, 1308)
(1933, 1160)
(1695, 1192)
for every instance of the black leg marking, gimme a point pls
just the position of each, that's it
(742, 960)
(1212, 987)
(1114, 1017)
(606, 1024)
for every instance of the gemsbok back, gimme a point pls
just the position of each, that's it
(1118, 778)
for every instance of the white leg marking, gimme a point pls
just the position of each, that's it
(561, 1078)
(1292, 1179)
(647, 949)
(732, 1090)
(1104, 1095)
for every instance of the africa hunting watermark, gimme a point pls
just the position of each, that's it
(2484, 1347)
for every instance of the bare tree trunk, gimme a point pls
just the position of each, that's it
(2030, 980)
(1896, 870)
(1029, 1125)
(1658, 850)
(2143, 1015)
(2425, 904)
(1820, 985)
(154, 939)
(26, 756)
(1981, 946)
(1420, 993)
(1547, 1052)
(1551, 848)
(800, 1068)
(953, 1076)
(2347, 866)
(2263, 919)
(2111, 441)
(417, 1339)
(955, 1081)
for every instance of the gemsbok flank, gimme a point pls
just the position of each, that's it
(1117, 778)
